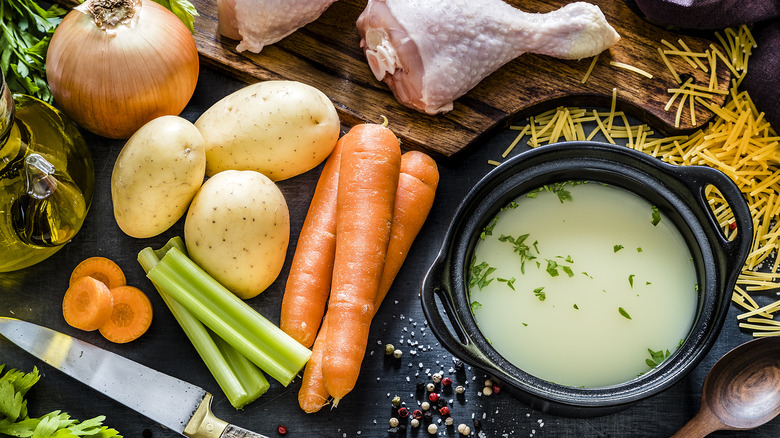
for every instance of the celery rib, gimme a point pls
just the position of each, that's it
(232, 319)
(240, 380)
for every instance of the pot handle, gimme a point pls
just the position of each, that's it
(738, 247)
(455, 340)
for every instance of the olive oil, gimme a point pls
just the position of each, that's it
(46, 180)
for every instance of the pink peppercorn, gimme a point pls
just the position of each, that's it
(496, 389)
(433, 397)
(282, 430)
(417, 414)
(446, 381)
(403, 412)
(444, 410)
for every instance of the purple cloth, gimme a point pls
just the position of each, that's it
(708, 14)
(763, 78)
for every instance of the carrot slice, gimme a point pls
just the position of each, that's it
(101, 269)
(131, 315)
(87, 304)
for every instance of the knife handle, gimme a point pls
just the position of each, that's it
(233, 431)
(205, 425)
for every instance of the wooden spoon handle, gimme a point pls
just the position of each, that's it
(703, 424)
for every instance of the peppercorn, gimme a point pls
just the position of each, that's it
(397, 354)
(488, 382)
(458, 365)
(464, 429)
(282, 430)
(394, 422)
(444, 410)
(432, 429)
(425, 406)
(449, 421)
(427, 416)
(417, 414)
(430, 387)
(496, 389)
(433, 397)
(389, 349)
(488, 390)
(446, 381)
(420, 385)
(440, 403)
(460, 389)
(415, 422)
(436, 377)
(403, 411)
(396, 401)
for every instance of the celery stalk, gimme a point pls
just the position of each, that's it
(240, 380)
(232, 319)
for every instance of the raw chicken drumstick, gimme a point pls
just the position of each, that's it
(430, 52)
(258, 23)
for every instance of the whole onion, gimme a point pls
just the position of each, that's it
(114, 65)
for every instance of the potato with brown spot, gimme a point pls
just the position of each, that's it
(156, 175)
(237, 229)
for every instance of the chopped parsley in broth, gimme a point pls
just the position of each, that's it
(549, 276)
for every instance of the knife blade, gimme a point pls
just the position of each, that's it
(171, 402)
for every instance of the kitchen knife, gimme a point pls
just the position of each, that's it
(174, 403)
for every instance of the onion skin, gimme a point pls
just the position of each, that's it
(112, 82)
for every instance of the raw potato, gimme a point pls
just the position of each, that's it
(278, 128)
(237, 230)
(156, 175)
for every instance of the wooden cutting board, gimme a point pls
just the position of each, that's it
(326, 55)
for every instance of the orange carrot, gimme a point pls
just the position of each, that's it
(417, 185)
(131, 315)
(313, 395)
(308, 283)
(87, 304)
(368, 181)
(101, 269)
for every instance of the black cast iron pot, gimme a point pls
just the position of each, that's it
(677, 191)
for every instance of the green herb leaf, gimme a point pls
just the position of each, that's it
(183, 9)
(478, 274)
(631, 280)
(617, 248)
(655, 216)
(639, 249)
(475, 305)
(568, 271)
(520, 248)
(552, 268)
(25, 32)
(509, 282)
(539, 292)
(624, 313)
(576, 307)
(488, 230)
(56, 424)
(656, 357)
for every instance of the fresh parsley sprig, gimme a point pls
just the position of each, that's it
(25, 32)
(15, 422)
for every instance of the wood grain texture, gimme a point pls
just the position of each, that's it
(326, 55)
